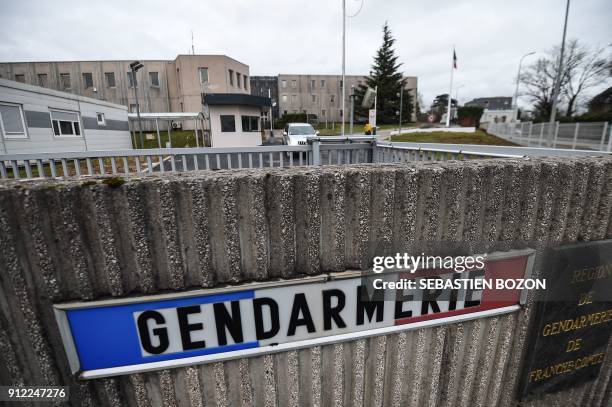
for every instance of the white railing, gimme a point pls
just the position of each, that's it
(584, 135)
(318, 151)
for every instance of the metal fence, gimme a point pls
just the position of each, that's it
(318, 151)
(594, 136)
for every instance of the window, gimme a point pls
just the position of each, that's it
(340, 111)
(228, 123)
(284, 98)
(332, 98)
(283, 83)
(42, 80)
(132, 107)
(65, 123)
(312, 83)
(20, 78)
(87, 80)
(65, 81)
(154, 79)
(131, 78)
(250, 123)
(246, 82)
(110, 79)
(231, 75)
(340, 83)
(203, 75)
(238, 79)
(294, 84)
(323, 112)
(322, 83)
(101, 119)
(314, 98)
(11, 121)
(293, 99)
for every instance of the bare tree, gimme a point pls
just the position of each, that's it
(584, 68)
(538, 81)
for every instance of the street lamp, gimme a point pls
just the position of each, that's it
(518, 77)
(555, 94)
(135, 67)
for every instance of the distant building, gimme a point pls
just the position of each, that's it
(163, 85)
(39, 120)
(496, 109)
(321, 95)
(266, 86)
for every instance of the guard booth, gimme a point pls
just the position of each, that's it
(235, 119)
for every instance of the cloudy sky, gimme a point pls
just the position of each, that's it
(304, 36)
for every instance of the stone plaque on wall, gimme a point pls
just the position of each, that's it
(572, 321)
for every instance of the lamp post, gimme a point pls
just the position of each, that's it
(343, 64)
(555, 94)
(518, 77)
(135, 67)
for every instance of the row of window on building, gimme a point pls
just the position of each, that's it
(63, 122)
(88, 82)
(313, 83)
(313, 98)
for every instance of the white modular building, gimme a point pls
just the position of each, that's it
(34, 119)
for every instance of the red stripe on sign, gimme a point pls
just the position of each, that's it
(492, 298)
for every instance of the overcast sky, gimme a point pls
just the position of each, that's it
(304, 36)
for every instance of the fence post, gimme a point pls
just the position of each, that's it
(610, 140)
(575, 136)
(603, 136)
(541, 134)
(316, 152)
(529, 137)
(556, 135)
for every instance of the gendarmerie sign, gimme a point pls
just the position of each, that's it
(573, 320)
(106, 338)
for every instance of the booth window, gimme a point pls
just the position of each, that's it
(65, 123)
(250, 123)
(12, 121)
(228, 123)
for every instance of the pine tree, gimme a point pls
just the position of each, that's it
(385, 74)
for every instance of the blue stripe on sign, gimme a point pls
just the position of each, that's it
(107, 336)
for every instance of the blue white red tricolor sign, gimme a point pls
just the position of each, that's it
(120, 336)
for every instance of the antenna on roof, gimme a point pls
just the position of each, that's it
(192, 47)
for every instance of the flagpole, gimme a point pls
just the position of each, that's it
(450, 92)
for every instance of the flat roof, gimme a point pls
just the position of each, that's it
(52, 92)
(166, 115)
(237, 99)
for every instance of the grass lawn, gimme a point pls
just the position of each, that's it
(480, 137)
(180, 138)
(357, 128)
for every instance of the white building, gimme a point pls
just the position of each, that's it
(497, 109)
(40, 120)
(235, 119)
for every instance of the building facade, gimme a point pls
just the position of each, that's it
(321, 95)
(496, 109)
(162, 85)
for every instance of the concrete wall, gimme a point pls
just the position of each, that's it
(65, 241)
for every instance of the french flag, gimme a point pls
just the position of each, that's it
(454, 59)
